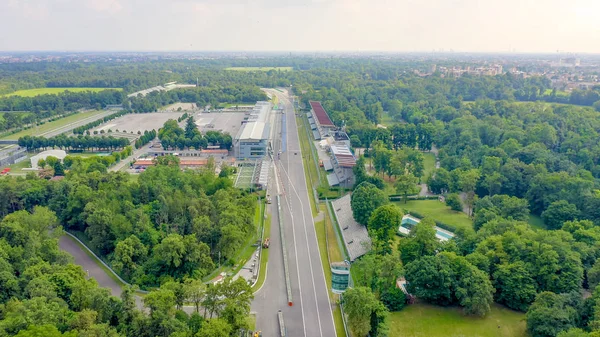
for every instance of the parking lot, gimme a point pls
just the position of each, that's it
(219, 121)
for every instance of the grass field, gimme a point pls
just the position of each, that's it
(264, 258)
(47, 127)
(424, 320)
(429, 164)
(558, 92)
(324, 250)
(310, 170)
(18, 167)
(53, 91)
(437, 211)
(248, 69)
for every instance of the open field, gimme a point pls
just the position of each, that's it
(424, 320)
(53, 91)
(429, 164)
(437, 211)
(45, 128)
(329, 251)
(548, 92)
(259, 68)
(139, 122)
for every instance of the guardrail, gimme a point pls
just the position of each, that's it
(284, 252)
(282, 330)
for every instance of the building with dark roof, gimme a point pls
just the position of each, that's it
(321, 120)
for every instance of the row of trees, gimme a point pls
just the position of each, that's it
(82, 129)
(79, 143)
(146, 138)
(201, 96)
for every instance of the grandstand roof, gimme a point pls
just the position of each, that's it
(343, 155)
(321, 114)
(254, 131)
(356, 237)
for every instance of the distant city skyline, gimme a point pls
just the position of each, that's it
(522, 26)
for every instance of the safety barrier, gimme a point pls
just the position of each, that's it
(286, 268)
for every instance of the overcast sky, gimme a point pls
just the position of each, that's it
(301, 25)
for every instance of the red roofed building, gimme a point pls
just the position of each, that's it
(321, 119)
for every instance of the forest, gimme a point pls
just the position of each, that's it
(168, 223)
(42, 293)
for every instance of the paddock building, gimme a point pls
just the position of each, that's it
(252, 141)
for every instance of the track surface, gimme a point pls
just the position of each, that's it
(310, 315)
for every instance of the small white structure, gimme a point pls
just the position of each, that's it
(408, 221)
(60, 154)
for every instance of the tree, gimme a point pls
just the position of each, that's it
(359, 304)
(215, 327)
(420, 242)
(453, 201)
(431, 279)
(514, 286)
(467, 180)
(440, 181)
(558, 213)
(365, 199)
(195, 291)
(190, 128)
(44, 331)
(129, 255)
(383, 225)
(550, 314)
(393, 298)
(446, 279)
(405, 184)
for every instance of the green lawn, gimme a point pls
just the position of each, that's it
(310, 169)
(536, 222)
(18, 167)
(264, 258)
(49, 126)
(437, 211)
(324, 249)
(54, 91)
(429, 164)
(247, 69)
(424, 320)
(558, 93)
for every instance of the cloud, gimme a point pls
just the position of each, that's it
(111, 6)
(396, 25)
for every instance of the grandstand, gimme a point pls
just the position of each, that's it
(356, 237)
(320, 118)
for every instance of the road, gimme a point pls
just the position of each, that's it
(311, 314)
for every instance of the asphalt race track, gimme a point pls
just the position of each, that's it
(311, 314)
